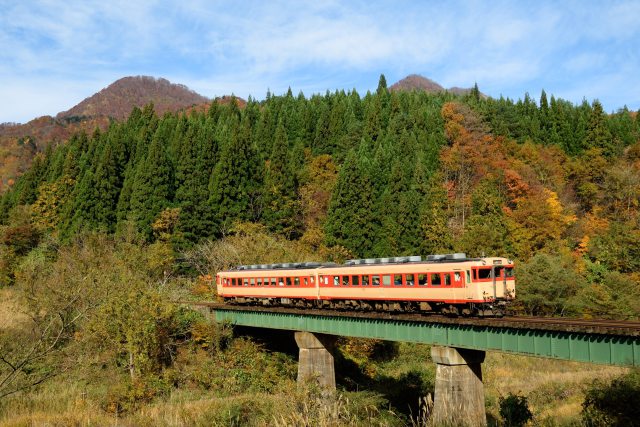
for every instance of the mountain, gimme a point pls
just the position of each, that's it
(420, 83)
(416, 82)
(20, 142)
(117, 99)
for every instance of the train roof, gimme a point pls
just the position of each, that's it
(416, 259)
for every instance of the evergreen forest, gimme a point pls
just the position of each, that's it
(553, 185)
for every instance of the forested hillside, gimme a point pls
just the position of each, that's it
(553, 185)
(103, 235)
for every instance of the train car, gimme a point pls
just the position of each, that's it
(449, 284)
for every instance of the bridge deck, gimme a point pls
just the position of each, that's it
(610, 342)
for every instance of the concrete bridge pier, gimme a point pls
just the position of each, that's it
(459, 393)
(315, 362)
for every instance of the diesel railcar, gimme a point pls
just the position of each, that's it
(451, 284)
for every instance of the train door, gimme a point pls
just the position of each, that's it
(494, 270)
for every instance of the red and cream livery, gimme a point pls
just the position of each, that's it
(450, 284)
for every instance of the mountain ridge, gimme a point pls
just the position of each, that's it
(117, 99)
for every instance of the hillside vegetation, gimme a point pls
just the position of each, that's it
(552, 185)
(102, 235)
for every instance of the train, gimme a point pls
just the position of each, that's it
(448, 284)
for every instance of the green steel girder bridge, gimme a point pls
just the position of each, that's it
(458, 345)
(602, 342)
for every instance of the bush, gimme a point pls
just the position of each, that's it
(614, 404)
(514, 410)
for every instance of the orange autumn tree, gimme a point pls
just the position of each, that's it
(472, 154)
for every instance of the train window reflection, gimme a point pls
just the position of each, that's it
(435, 279)
(386, 280)
(397, 279)
(410, 279)
(484, 273)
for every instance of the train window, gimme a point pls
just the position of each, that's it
(336, 280)
(253, 282)
(325, 279)
(296, 281)
(280, 281)
(245, 282)
(457, 277)
(288, 281)
(397, 279)
(468, 276)
(386, 280)
(273, 281)
(509, 272)
(498, 272)
(345, 280)
(375, 280)
(410, 279)
(305, 281)
(365, 280)
(312, 280)
(436, 280)
(355, 280)
(259, 281)
(447, 279)
(484, 273)
(422, 279)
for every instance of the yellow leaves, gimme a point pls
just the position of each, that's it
(556, 210)
(166, 222)
(538, 221)
(46, 210)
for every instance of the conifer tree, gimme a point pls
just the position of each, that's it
(193, 173)
(350, 221)
(598, 133)
(153, 186)
(281, 212)
(235, 182)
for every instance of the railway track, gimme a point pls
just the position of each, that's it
(525, 324)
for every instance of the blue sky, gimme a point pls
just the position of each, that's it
(53, 54)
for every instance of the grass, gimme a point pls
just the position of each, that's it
(223, 389)
(11, 315)
(554, 388)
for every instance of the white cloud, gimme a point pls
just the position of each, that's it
(247, 47)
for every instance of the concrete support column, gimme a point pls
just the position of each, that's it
(459, 393)
(316, 359)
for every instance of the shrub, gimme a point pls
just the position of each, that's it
(613, 404)
(514, 410)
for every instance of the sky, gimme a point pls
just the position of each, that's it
(54, 54)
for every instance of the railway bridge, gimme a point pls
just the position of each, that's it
(458, 345)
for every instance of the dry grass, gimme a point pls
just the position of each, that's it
(554, 388)
(11, 314)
